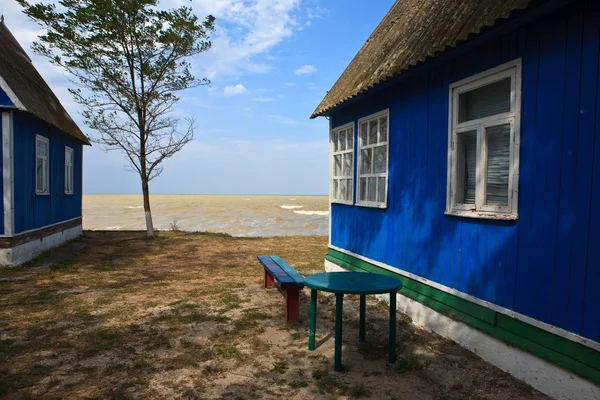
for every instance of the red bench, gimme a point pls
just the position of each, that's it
(289, 280)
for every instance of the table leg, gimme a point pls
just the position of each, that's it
(339, 306)
(392, 338)
(361, 323)
(312, 329)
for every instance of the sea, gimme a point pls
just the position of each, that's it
(237, 215)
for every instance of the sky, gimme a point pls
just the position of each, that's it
(271, 63)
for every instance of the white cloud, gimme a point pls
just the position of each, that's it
(246, 30)
(306, 70)
(229, 91)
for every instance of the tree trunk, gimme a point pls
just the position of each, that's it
(146, 193)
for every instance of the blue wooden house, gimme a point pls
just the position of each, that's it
(41, 169)
(465, 159)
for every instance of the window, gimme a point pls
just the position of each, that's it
(342, 176)
(373, 152)
(483, 161)
(68, 170)
(42, 178)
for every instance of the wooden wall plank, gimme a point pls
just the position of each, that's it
(564, 240)
(530, 154)
(550, 125)
(591, 314)
(583, 174)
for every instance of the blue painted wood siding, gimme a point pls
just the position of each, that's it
(35, 211)
(545, 265)
(4, 100)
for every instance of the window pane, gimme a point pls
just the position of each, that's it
(365, 161)
(485, 101)
(350, 139)
(498, 164)
(364, 130)
(467, 167)
(349, 189)
(348, 164)
(39, 175)
(335, 189)
(68, 156)
(383, 134)
(342, 140)
(381, 190)
(42, 148)
(373, 132)
(372, 189)
(363, 189)
(335, 141)
(343, 189)
(380, 160)
(337, 160)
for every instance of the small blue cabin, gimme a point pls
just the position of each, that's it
(42, 153)
(465, 159)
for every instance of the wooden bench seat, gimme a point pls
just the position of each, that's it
(290, 283)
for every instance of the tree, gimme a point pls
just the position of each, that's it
(127, 60)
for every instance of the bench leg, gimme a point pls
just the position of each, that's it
(312, 328)
(292, 305)
(269, 283)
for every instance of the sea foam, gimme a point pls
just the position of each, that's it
(288, 207)
(304, 212)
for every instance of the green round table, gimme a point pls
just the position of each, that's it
(360, 283)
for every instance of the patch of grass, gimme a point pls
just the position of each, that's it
(229, 301)
(359, 390)
(279, 367)
(212, 370)
(404, 319)
(298, 384)
(228, 351)
(318, 357)
(258, 344)
(327, 382)
(410, 363)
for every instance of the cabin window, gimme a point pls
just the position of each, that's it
(42, 157)
(342, 159)
(68, 170)
(483, 160)
(373, 152)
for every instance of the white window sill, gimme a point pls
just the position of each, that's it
(345, 202)
(42, 193)
(482, 215)
(371, 205)
(69, 193)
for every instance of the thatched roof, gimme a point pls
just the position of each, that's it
(412, 32)
(27, 89)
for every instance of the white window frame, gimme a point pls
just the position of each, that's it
(367, 119)
(333, 153)
(69, 172)
(46, 159)
(511, 69)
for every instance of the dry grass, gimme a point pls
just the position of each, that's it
(113, 315)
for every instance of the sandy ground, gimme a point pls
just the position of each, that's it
(113, 315)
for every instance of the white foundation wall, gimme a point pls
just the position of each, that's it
(26, 251)
(540, 374)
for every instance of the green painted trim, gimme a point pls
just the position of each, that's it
(565, 353)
